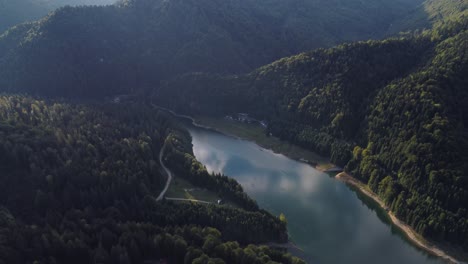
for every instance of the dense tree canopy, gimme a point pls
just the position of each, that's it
(97, 51)
(79, 186)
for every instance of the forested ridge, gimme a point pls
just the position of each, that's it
(393, 112)
(94, 51)
(80, 182)
(21, 11)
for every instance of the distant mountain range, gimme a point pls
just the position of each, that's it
(13, 12)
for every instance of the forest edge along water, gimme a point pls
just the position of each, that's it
(408, 232)
(271, 143)
(319, 164)
(256, 133)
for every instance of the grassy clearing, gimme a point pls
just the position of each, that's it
(181, 188)
(256, 133)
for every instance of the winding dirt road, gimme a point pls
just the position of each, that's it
(168, 172)
(168, 183)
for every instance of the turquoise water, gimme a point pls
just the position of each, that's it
(330, 222)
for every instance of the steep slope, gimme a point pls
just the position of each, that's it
(415, 156)
(429, 13)
(96, 51)
(392, 111)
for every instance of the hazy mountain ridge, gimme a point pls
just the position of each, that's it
(88, 47)
(429, 13)
(14, 12)
(20, 11)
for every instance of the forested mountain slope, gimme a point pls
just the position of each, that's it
(429, 13)
(79, 184)
(14, 12)
(393, 111)
(96, 51)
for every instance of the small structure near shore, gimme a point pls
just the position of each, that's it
(246, 118)
(312, 163)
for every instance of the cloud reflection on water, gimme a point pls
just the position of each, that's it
(272, 172)
(325, 218)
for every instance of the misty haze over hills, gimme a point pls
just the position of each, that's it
(13, 12)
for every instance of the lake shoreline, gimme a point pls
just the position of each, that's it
(311, 158)
(289, 246)
(319, 162)
(409, 232)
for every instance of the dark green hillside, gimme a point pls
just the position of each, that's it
(393, 111)
(317, 99)
(97, 51)
(79, 186)
(415, 155)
